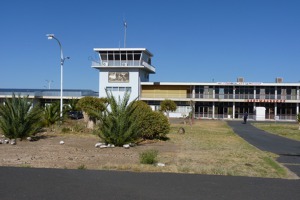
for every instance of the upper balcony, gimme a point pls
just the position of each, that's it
(124, 58)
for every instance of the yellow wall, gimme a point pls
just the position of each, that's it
(164, 91)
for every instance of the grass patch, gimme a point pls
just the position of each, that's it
(148, 157)
(82, 167)
(288, 130)
(211, 147)
(279, 170)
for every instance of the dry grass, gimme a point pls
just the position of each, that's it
(210, 147)
(289, 130)
(207, 147)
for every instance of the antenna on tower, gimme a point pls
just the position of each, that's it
(125, 27)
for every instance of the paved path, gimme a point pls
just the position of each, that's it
(287, 149)
(57, 184)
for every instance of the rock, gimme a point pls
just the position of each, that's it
(1, 141)
(181, 130)
(132, 144)
(160, 164)
(61, 142)
(29, 138)
(103, 146)
(97, 145)
(6, 141)
(13, 142)
(126, 146)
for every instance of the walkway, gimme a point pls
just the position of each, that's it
(287, 149)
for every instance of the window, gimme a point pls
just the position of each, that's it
(118, 89)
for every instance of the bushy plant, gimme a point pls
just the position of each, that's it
(158, 126)
(117, 125)
(19, 119)
(168, 106)
(150, 124)
(148, 157)
(92, 106)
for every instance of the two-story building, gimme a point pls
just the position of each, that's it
(122, 69)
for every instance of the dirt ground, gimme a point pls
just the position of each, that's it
(78, 151)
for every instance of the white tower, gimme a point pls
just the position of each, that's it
(122, 69)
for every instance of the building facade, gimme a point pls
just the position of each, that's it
(128, 69)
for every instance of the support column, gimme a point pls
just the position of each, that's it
(213, 111)
(233, 105)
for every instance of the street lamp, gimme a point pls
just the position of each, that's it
(62, 60)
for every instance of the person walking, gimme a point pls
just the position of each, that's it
(245, 117)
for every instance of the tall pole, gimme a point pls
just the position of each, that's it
(62, 60)
(125, 27)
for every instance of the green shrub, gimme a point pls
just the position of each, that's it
(82, 167)
(19, 119)
(156, 126)
(148, 157)
(150, 124)
(78, 128)
(65, 130)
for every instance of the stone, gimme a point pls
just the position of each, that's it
(103, 146)
(160, 164)
(29, 138)
(132, 144)
(61, 142)
(13, 142)
(97, 145)
(126, 146)
(6, 141)
(181, 130)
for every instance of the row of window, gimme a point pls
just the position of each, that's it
(246, 90)
(118, 89)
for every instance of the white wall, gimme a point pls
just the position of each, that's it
(134, 83)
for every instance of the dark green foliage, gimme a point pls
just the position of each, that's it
(51, 114)
(148, 157)
(168, 106)
(156, 127)
(150, 124)
(118, 126)
(73, 105)
(18, 119)
(92, 106)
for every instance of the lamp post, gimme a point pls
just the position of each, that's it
(62, 60)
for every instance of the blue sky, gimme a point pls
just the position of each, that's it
(192, 40)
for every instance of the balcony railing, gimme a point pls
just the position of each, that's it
(217, 96)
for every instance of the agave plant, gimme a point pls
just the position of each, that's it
(18, 119)
(117, 124)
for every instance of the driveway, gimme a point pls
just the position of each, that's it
(287, 149)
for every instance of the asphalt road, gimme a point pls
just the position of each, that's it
(56, 184)
(287, 149)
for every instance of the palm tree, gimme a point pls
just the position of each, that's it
(73, 104)
(18, 119)
(51, 114)
(118, 126)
